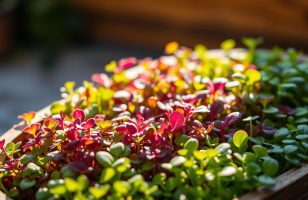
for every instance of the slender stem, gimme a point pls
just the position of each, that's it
(2, 187)
(250, 126)
(222, 135)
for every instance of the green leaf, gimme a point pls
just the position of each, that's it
(67, 172)
(107, 174)
(70, 184)
(281, 134)
(122, 164)
(252, 43)
(103, 124)
(104, 158)
(227, 45)
(303, 128)
(57, 107)
(13, 193)
(136, 181)
(211, 153)
(305, 144)
(42, 194)
(191, 145)
(121, 187)
(293, 160)
(240, 138)
(171, 184)
(200, 50)
(302, 137)
(270, 166)
(253, 76)
(26, 183)
(238, 76)
(182, 152)
(99, 192)
(181, 140)
(255, 140)
(177, 161)
(147, 165)
(10, 148)
(26, 158)
(250, 157)
(253, 168)
(303, 156)
(301, 111)
(54, 183)
(251, 118)
(288, 149)
(117, 149)
(227, 171)
(200, 155)
(301, 120)
(167, 166)
(69, 86)
(288, 85)
(110, 67)
(30, 169)
(288, 141)
(58, 190)
(107, 94)
(83, 182)
(266, 180)
(159, 178)
(260, 151)
(223, 147)
(276, 149)
(151, 190)
(297, 79)
(271, 110)
(232, 84)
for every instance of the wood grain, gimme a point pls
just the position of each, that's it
(292, 184)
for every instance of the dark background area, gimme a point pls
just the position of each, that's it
(44, 43)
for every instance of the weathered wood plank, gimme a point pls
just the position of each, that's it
(292, 184)
(156, 22)
(15, 133)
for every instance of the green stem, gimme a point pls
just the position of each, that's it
(2, 187)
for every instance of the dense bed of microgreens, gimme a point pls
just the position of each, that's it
(187, 125)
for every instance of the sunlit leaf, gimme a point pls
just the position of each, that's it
(176, 120)
(27, 117)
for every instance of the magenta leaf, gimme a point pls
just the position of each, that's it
(216, 107)
(2, 144)
(176, 120)
(88, 124)
(127, 63)
(121, 129)
(72, 134)
(10, 165)
(79, 114)
(231, 118)
(101, 79)
(201, 109)
(131, 128)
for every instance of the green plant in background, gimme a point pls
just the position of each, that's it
(50, 24)
(188, 125)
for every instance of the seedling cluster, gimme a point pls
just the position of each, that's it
(187, 125)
